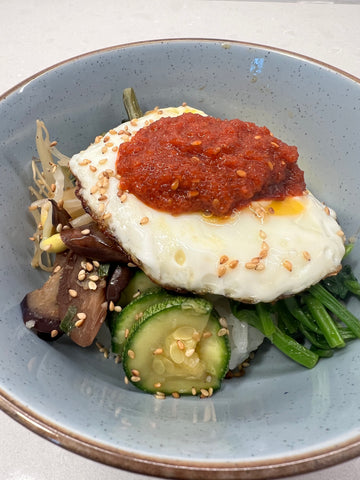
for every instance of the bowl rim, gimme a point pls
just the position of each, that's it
(180, 469)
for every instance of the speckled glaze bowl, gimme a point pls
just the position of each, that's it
(279, 419)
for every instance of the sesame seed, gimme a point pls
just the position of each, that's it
(160, 395)
(89, 266)
(73, 293)
(144, 221)
(111, 306)
(250, 265)
(274, 144)
(340, 233)
(118, 359)
(101, 208)
(81, 316)
(221, 271)
(175, 184)
(180, 344)
(157, 385)
(223, 259)
(131, 354)
(123, 198)
(86, 231)
(106, 216)
(135, 372)
(96, 263)
(94, 189)
(259, 267)
(53, 333)
(287, 264)
(81, 275)
(241, 173)
(204, 392)
(94, 278)
(92, 168)
(233, 264)
(112, 132)
(102, 198)
(327, 210)
(306, 255)
(59, 227)
(103, 161)
(175, 394)
(222, 332)
(193, 391)
(57, 268)
(257, 137)
(126, 380)
(115, 148)
(92, 285)
(117, 308)
(207, 334)
(189, 352)
(262, 234)
(53, 187)
(109, 144)
(98, 139)
(223, 322)
(158, 351)
(104, 149)
(79, 323)
(126, 334)
(136, 294)
(84, 162)
(106, 139)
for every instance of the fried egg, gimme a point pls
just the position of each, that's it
(261, 252)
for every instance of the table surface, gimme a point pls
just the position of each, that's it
(36, 34)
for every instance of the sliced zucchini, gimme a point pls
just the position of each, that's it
(138, 284)
(122, 322)
(178, 347)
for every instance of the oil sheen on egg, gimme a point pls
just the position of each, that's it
(261, 252)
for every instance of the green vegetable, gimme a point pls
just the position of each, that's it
(177, 347)
(122, 322)
(342, 284)
(131, 104)
(68, 322)
(138, 284)
(283, 342)
(337, 308)
(324, 321)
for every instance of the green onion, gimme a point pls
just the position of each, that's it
(68, 323)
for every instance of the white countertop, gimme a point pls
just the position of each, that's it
(36, 34)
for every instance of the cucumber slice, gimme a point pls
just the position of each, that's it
(138, 283)
(122, 322)
(178, 347)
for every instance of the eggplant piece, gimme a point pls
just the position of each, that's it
(79, 290)
(95, 244)
(118, 282)
(40, 309)
(59, 215)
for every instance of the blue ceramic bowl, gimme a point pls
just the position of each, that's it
(281, 418)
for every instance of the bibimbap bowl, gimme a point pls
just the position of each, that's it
(280, 418)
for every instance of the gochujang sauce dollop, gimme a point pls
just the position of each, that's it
(195, 163)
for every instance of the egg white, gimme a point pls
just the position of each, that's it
(303, 240)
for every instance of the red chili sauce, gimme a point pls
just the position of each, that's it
(192, 163)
